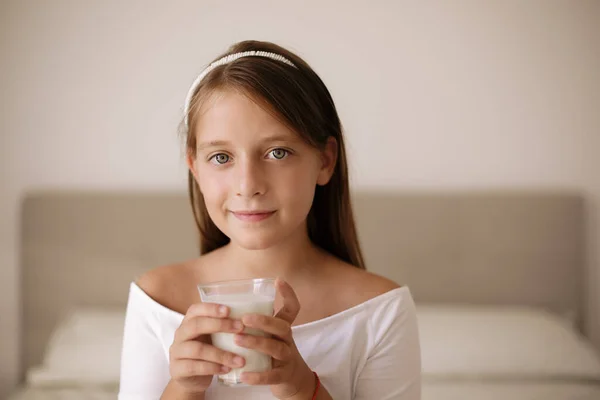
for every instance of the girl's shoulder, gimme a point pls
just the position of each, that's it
(354, 286)
(169, 285)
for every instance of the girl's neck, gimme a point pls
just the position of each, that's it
(290, 259)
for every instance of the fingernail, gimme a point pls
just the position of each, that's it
(223, 310)
(237, 325)
(225, 369)
(238, 361)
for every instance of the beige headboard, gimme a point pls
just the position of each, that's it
(523, 248)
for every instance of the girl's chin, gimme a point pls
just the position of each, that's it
(255, 242)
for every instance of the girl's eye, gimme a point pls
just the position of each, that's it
(220, 158)
(279, 153)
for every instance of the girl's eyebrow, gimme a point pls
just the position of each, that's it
(279, 138)
(212, 143)
(221, 143)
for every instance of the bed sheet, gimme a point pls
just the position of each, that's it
(80, 393)
(510, 390)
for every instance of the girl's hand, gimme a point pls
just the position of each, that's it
(290, 377)
(193, 360)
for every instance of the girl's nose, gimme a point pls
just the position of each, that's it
(250, 180)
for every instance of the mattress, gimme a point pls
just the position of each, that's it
(510, 390)
(80, 393)
(452, 390)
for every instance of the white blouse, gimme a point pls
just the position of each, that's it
(368, 352)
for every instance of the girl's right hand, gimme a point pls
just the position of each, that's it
(193, 359)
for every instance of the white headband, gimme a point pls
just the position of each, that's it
(223, 61)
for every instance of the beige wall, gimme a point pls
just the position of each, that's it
(462, 94)
(593, 295)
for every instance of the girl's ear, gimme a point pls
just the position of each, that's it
(191, 163)
(329, 160)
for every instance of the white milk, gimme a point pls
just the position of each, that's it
(240, 305)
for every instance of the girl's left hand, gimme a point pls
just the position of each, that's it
(290, 377)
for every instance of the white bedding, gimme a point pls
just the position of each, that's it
(92, 393)
(468, 353)
(81, 360)
(504, 353)
(448, 390)
(507, 390)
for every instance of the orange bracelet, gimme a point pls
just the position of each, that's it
(317, 386)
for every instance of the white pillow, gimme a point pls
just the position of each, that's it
(480, 341)
(85, 348)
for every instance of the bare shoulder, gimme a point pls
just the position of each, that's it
(369, 284)
(171, 285)
(358, 285)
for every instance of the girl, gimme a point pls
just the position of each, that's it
(268, 184)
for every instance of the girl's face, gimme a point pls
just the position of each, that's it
(257, 177)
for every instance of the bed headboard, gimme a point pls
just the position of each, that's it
(509, 248)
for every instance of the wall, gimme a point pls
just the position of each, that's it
(461, 94)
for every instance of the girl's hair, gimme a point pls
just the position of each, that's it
(298, 98)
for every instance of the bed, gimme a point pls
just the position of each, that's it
(498, 278)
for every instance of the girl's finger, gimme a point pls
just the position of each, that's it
(197, 326)
(195, 350)
(272, 347)
(191, 368)
(271, 377)
(271, 325)
(291, 305)
(207, 310)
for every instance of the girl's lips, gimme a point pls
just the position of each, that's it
(250, 216)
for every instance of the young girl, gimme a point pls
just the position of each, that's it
(268, 184)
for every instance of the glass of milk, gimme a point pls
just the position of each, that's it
(249, 296)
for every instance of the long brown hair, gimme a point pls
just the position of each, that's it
(299, 99)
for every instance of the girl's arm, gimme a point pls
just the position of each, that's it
(393, 369)
(147, 374)
(173, 392)
(144, 365)
(309, 390)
